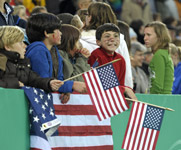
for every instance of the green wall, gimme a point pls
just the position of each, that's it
(170, 133)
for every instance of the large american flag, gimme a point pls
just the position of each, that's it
(80, 128)
(43, 122)
(143, 127)
(105, 91)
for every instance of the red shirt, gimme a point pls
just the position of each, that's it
(102, 57)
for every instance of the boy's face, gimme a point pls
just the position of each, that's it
(55, 37)
(110, 41)
(18, 47)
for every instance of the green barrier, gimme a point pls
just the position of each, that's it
(170, 133)
(14, 124)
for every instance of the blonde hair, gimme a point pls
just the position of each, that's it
(10, 35)
(18, 8)
(162, 34)
(175, 50)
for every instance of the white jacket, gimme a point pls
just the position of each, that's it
(88, 40)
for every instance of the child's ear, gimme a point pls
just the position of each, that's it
(98, 42)
(8, 48)
(46, 34)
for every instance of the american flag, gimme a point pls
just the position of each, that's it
(43, 122)
(143, 127)
(80, 128)
(105, 91)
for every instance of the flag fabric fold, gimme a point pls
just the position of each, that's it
(43, 122)
(105, 91)
(143, 127)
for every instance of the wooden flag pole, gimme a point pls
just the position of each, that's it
(134, 100)
(91, 69)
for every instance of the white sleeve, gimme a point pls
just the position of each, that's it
(123, 50)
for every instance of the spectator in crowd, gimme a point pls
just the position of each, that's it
(43, 31)
(74, 56)
(161, 66)
(133, 35)
(100, 13)
(15, 69)
(124, 29)
(138, 27)
(6, 11)
(39, 9)
(77, 22)
(176, 57)
(136, 10)
(20, 10)
(140, 79)
(108, 40)
(82, 14)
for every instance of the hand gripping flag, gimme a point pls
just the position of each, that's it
(105, 91)
(43, 122)
(143, 127)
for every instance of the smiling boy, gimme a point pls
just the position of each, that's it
(108, 40)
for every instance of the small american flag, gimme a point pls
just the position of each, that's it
(143, 127)
(43, 122)
(105, 91)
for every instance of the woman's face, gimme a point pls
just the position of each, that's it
(150, 37)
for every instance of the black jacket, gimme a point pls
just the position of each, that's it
(9, 11)
(13, 69)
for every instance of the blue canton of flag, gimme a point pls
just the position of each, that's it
(108, 77)
(43, 122)
(153, 118)
(105, 91)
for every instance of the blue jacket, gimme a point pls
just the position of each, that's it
(41, 62)
(177, 80)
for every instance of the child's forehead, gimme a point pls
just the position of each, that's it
(110, 32)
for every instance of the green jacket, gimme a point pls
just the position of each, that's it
(71, 69)
(161, 72)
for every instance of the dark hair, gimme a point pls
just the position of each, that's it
(106, 27)
(38, 9)
(39, 23)
(65, 18)
(70, 35)
(124, 29)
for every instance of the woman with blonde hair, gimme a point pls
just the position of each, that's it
(161, 67)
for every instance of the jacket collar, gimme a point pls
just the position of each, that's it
(8, 8)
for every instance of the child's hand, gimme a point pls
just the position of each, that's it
(85, 52)
(56, 84)
(79, 87)
(64, 97)
(21, 84)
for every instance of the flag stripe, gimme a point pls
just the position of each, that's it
(151, 138)
(107, 147)
(113, 94)
(92, 95)
(84, 130)
(123, 101)
(80, 141)
(37, 142)
(156, 138)
(74, 110)
(105, 98)
(106, 112)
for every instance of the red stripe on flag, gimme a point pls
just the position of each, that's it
(126, 133)
(84, 130)
(119, 99)
(125, 102)
(90, 95)
(106, 147)
(96, 96)
(114, 100)
(74, 110)
(151, 136)
(156, 138)
(134, 120)
(139, 122)
(98, 86)
(146, 137)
